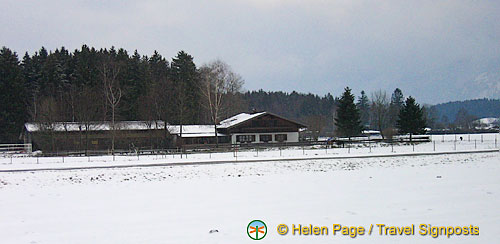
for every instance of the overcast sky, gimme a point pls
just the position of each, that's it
(433, 50)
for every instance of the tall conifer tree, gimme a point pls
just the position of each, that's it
(348, 119)
(411, 118)
(397, 101)
(12, 97)
(187, 86)
(364, 108)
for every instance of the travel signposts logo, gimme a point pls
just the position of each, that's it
(257, 230)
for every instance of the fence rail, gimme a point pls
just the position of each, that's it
(18, 153)
(16, 148)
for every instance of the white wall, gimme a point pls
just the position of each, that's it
(291, 136)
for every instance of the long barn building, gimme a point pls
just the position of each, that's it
(260, 127)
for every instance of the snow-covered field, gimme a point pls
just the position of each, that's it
(182, 204)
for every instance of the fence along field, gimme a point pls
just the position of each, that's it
(20, 154)
(6, 149)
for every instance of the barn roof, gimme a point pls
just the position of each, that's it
(243, 117)
(194, 130)
(187, 130)
(93, 126)
(238, 119)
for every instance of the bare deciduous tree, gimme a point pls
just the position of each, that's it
(315, 124)
(379, 109)
(218, 81)
(109, 74)
(464, 120)
(48, 115)
(87, 108)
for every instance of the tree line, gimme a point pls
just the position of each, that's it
(460, 115)
(397, 117)
(88, 85)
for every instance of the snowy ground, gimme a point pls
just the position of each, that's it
(445, 143)
(181, 204)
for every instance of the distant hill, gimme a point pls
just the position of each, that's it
(479, 108)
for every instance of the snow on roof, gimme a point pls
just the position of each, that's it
(93, 126)
(194, 130)
(239, 118)
(187, 130)
(487, 121)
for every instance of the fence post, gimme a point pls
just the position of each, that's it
(303, 151)
(434, 144)
(481, 138)
(280, 150)
(257, 151)
(475, 144)
(442, 140)
(413, 146)
(370, 145)
(348, 148)
(469, 137)
(495, 141)
(455, 145)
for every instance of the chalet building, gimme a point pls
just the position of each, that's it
(262, 127)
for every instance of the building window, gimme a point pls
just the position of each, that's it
(280, 137)
(265, 138)
(245, 138)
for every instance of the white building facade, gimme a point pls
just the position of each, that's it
(262, 127)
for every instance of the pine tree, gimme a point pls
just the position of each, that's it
(411, 118)
(134, 86)
(348, 119)
(31, 85)
(12, 98)
(187, 86)
(86, 68)
(364, 108)
(397, 101)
